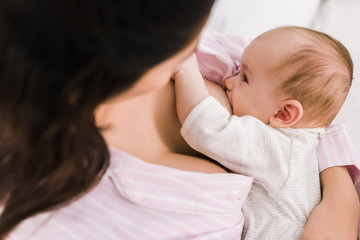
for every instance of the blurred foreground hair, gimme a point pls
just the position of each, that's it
(58, 61)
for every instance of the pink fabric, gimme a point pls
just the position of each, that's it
(138, 200)
(218, 57)
(336, 149)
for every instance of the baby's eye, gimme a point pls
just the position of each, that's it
(244, 78)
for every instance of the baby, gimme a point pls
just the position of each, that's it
(292, 82)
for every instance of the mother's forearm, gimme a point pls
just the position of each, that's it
(336, 217)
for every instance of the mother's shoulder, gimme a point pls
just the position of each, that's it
(166, 161)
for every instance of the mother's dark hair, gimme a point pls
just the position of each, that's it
(58, 60)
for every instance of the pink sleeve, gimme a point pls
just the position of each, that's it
(335, 148)
(219, 55)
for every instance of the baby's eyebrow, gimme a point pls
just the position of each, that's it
(246, 67)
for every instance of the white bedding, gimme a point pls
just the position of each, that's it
(339, 18)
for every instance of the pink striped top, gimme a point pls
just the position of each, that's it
(139, 200)
(336, 149)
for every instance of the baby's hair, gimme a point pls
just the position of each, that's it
(318, 74)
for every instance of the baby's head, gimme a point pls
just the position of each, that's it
(292, 77)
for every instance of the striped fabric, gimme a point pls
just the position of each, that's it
(218, 57)
(336, 149)
(138, 200)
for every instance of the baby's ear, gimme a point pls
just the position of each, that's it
(287, 114)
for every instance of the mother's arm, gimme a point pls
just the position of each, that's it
(336, 217)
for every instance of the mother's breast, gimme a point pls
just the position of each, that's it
(147, 127)
(219, 93)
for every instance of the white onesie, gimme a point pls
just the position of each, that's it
(282, 162)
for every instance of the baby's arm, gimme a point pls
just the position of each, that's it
(190, 87)
(209, 128)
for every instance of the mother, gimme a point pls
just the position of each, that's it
(59, 60)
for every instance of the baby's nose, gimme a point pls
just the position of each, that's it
(229, 83)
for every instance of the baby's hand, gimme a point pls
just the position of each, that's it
(190, 64)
